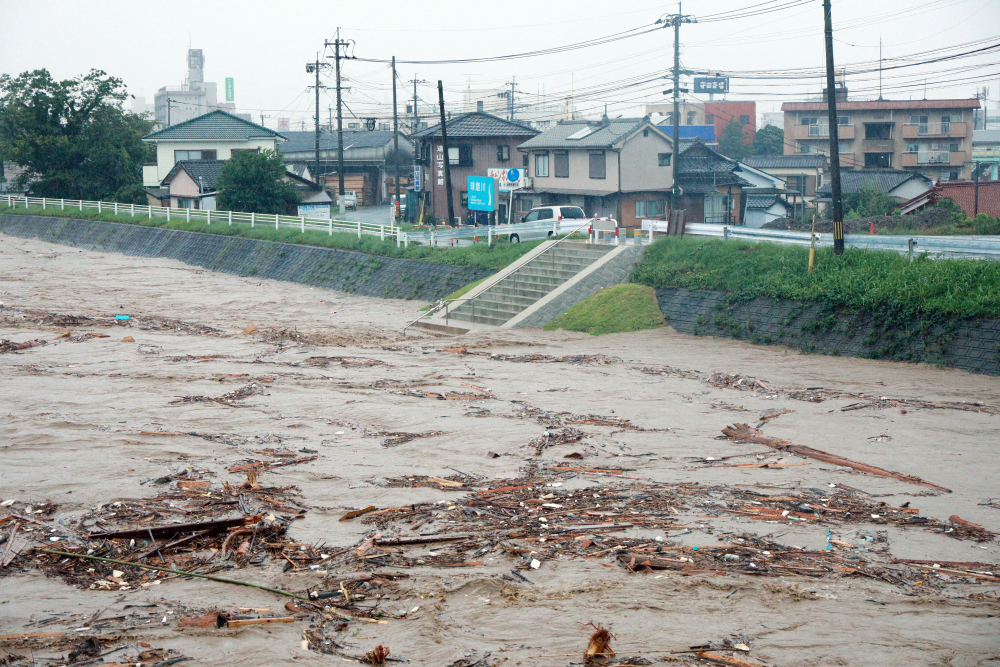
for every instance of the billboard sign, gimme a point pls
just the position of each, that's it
(711, 84)
(483, 194)
(230, 93)
(417, 183)
(321, 211)
(507, 179)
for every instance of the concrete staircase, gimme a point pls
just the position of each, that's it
(529, 283)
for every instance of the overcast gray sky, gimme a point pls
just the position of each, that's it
(264, 46)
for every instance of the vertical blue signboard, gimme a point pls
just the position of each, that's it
(483, 193)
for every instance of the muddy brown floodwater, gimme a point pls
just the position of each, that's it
(517, 488)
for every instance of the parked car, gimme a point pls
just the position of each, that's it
(350, 200)
(567, 219)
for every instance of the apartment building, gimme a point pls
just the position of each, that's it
(930, 137)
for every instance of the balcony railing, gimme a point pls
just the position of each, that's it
(915, 130)
(821, 131)
(924, 158)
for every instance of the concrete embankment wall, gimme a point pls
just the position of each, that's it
(342, 270)
(965, 343)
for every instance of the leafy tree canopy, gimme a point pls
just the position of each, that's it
(254, 183)
(769, 140)
(73, 137)
(868, 202)
(733, 143)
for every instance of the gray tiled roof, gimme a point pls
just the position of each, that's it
(762, 202)
(985, 137)
(213, 125)
(883, 180)
(699, 159)
(303, 142)
(477, 124)
(201, 171)
(602, 137)
(808, 161)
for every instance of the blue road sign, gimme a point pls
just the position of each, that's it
(482, 193)
(514, 175)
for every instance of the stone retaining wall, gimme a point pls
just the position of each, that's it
(342, 270)
(968, 344)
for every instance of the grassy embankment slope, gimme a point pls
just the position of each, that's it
(881, 286)
(477, 256)
(615, 309)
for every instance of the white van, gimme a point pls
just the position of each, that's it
(567, 219)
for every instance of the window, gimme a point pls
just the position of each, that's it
(452, 154)
(664, 159)
(465, 156)
(911, 148)
(531, 217)
(640, 208)
(796, 183)
(809, 120)
(479, 106)
(503, 153)
(807, 148)
(572, 213)
(541, 164)
(524, 160)
(744, 120)
(180, 156)
(354, 126)
(878, 131)
(710, 119)
(878, 160)
(918, 120)
(655, 207)
(598, 165)
(235, 151)
(691, 115)
(844, 147)
(645, 133)
(843, 120)
(545, 214)
(464, 198)
(561, 164)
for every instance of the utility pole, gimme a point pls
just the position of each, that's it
(395, 138)
(676, 20)
(447, 157)
(169, 102)
(510, 99)
(336, 44)
(317, 118)
(831, 107)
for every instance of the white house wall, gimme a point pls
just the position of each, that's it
(223, 150)
(641, 168)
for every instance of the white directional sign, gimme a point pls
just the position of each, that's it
(507, 179)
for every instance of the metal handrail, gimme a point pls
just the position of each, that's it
(435, 307)
(514, 272)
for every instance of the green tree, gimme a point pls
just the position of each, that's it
(769, 140)
(733, 143)
(254, 183)
(867, 202)
(73, 137)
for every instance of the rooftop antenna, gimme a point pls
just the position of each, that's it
(880, 68)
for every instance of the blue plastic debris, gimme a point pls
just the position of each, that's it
(121, 317)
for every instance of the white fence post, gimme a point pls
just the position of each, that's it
(302, 219)
(275, 220)
(252, 216)
(230, 218)
(381, 232)
(133, 209)
(62, 204)
(331, 226)
(359, 229)
(116, 208)
(489, 236)
(98, 205)
(168, 214)
(397, 239)
(80, 202)
(187, 214)
(208, 216)
(43, 203)
(150, 209)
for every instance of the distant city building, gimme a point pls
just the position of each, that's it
(140, 106)
(717, 114)
(193, 98)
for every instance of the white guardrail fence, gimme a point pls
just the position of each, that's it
(210, 217)
(959, 247)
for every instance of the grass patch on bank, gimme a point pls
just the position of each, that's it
(884, 284)
(479, 256)
(615, 309)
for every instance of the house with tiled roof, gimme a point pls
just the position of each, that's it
(803, 173)
(900, 185)
(619, 168)
(477, 142)
(366, 160)
(711, 186)
(191, 184)
(212, 136)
